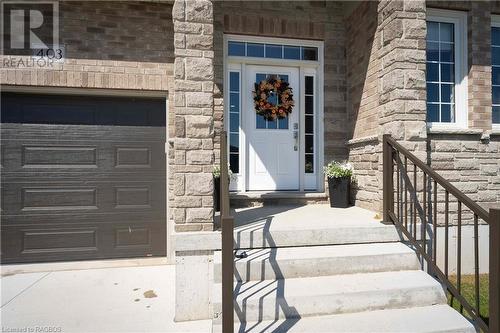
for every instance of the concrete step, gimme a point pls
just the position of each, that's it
(436, 318)
(276, 198)
(326, 295)
(311, 261)
(258, 236)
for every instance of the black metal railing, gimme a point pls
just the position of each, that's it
(227, 225)
(417, 200)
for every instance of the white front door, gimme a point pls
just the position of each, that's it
(272, 146)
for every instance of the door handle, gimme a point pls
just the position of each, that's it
(296, 136)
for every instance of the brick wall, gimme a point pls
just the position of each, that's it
(319, 20)
(108, 44)
(362, 43)
(363, 66)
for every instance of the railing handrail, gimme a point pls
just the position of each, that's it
(426, 206)
(227, 226)
(477, 209)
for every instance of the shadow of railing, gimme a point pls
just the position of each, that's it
(268, 248)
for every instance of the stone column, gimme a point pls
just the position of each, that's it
(193, 157)
(402, 86)
(194, 119)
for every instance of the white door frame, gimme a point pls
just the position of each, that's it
(306, 67)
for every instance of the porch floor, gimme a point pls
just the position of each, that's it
(318, 224)
(296, 217)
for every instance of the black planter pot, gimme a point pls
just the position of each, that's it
(340, 191)
(217, 194)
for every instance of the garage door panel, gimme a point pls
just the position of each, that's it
(31, 156)
(82, 177)
(72, 219)
(85, 197)
(76, 133)
(83, 241)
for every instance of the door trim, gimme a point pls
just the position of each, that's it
(306, 67)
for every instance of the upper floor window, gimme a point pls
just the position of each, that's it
(446, 68)
(495, 70)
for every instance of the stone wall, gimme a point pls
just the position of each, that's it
(193, 151)
(319, 20)
(469, 163)
(108, 44)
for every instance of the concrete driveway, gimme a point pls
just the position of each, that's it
(130, 299)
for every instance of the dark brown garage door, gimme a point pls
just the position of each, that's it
(82, 177)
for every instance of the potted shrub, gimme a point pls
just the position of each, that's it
(339, 183)
(216, 174)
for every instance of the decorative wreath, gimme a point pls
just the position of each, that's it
(282, 93)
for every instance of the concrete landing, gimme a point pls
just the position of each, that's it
(279, 226)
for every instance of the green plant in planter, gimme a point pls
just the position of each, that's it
(339, 176)
(336, 169)
(216, 174)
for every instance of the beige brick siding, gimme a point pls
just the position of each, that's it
(321, 20)
(363, 66)
(108, 44)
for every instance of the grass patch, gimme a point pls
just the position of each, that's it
(468, 292)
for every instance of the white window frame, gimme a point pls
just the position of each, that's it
(459, 19)
(495, 22)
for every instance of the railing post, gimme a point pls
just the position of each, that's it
(227, 225)
(494, 222)
(387, 177)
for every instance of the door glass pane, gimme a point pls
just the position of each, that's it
(236, 49)
(309, 53)
(292, 52)
(309, 163)
(309, 144)
(261, 122)
(255, 50)
(234, 120)
(283, 123)
(234, 163)
(274, 51)
(309, 125)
